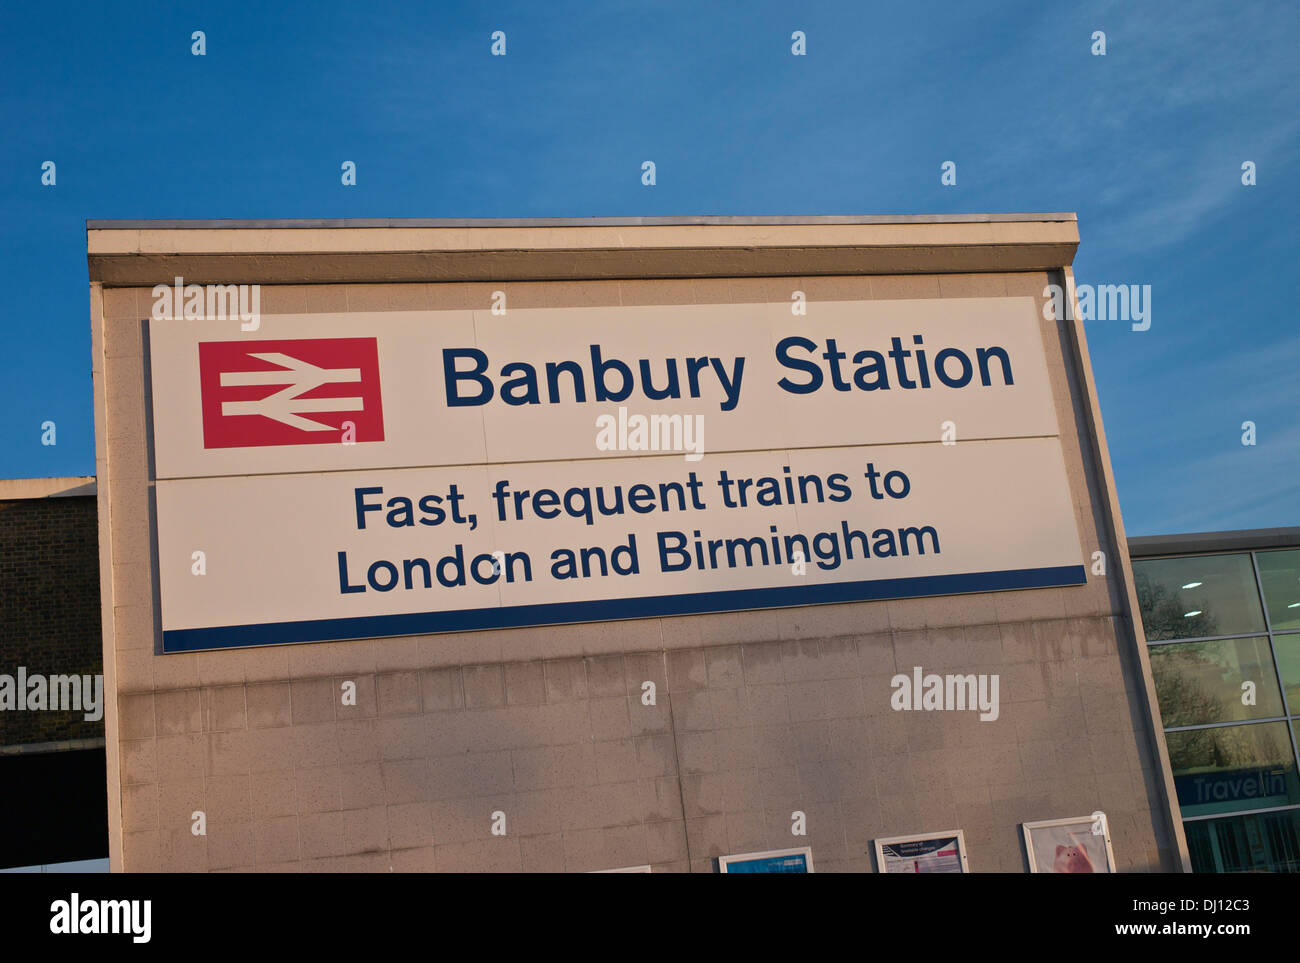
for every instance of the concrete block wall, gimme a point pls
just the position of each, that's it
(758, 714)
(588, 777)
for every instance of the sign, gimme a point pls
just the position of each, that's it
(933, 853)
(316, 386)
(364, 475)
(774, 861)
(469, 388)
(1255, 788)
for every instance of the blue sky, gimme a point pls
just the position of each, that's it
(1145, 143)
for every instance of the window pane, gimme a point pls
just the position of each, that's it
(1260, 843)
(1279, 573)
(1198, 596)
(1288, 660)
(1233, 768)
(1201, 682)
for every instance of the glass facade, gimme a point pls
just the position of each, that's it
(1223, 632)
(1258, 843)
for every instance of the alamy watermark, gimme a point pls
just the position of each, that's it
(74, 916)
(209, 302)
(626, 432)
(57, 693)
(1105, 302)
(951, 692)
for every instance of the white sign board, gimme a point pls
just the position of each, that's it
(361, 475)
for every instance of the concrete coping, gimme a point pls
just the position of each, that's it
(1202, 543)
(18, 489)
(308, 223)
(411, 250)
(63, 745)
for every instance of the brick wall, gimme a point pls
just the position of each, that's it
(49, 606)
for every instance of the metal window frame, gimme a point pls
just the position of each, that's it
(1152, 643)
(1226, 725)
(1250, 552)
(1289, 718)
(1206, 817)
(1268, 624)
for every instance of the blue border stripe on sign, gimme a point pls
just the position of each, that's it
(600, 610)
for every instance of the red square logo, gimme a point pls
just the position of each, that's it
(307, 392)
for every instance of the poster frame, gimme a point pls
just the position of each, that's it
(804, 851)
(878, 846)
(1028, 828)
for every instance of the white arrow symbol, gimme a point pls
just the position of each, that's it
(301, 377)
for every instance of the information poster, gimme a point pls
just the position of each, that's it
(775, 861)
(1075, 845)
(932, 853)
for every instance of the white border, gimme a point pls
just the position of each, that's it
(880, 844)
(1027, 828)
(645, 868)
